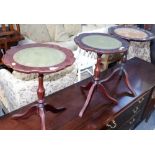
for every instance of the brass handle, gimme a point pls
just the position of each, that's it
(112, 124)
(141, 100)
(132, 121)
(135, 109)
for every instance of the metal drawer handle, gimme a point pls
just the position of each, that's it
(141, 100)
(135, 110)
(112, 125)
(132, 121)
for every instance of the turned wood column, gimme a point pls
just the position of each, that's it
(41, 89)
(97, 71)
(41, 94)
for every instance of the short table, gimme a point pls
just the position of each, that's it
(41, 59)
(101, 43)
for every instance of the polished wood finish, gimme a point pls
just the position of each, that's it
(9, 61)
(12, 34)
(101, 114)
(40, 107)
(97, 82)
(123, 74)
(9, 36)
(92, 86)
(78, 41)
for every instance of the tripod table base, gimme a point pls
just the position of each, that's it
(39, 109)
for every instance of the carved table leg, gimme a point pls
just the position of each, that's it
(126, 77)
(122, 73)
(91, 86)
(31, 111)
(128, 83)
(42, 116)
(104, 92)
(88, 86)
(90, 94)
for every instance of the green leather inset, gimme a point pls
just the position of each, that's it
(39, 57)
(101, 42)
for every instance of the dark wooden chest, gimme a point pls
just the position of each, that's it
(101, 114)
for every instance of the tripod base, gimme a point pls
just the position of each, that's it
(92, 87)
(123, 74)
(38, 109)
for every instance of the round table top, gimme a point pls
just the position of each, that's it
(101, 43)
(38, 58)
(131, 33)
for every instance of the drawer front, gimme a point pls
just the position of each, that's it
(129, 113)
(131, 123)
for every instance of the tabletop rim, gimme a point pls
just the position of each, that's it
(150, 36)
(8, 60)
(83, 46)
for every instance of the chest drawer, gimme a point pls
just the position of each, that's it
(129, 113)
(131, 123)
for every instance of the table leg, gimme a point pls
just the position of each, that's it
(31, 111)
(89, 97)
(87, 87)
(104, 92)
(91, 86)
(128, 83)
(42, 116)
(40, 107)
(122, 73)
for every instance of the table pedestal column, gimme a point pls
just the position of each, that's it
(40, 107)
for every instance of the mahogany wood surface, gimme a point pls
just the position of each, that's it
(123, 48)
(100, 112)
(8, 59)
(41, 107)
(106, 48)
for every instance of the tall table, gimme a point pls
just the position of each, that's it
(41, 59)
(101, 43)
